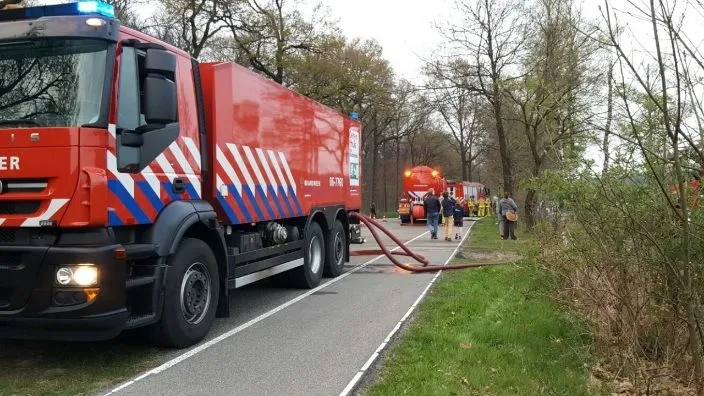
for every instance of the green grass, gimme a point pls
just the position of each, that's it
(485, 236)
(490, 331)
(41, 368)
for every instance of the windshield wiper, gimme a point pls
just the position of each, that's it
(20, 122)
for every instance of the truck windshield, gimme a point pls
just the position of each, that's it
(51, 82)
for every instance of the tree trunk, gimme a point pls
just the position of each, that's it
(465, 164)
(397, 175)
(529, 204)
(506, 166)
(529, 208)
(609, 118)
(375, 140)
(385, 177)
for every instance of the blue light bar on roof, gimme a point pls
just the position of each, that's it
(79, 8)
(96, 7)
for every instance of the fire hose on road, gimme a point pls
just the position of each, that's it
(373, 225)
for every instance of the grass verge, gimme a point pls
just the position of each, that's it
(490, 331)
(42, 368)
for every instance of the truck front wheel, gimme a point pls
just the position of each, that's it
(191, 296)
(308, 276)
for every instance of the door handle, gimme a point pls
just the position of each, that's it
(178, 186)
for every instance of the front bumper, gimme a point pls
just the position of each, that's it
(88, 328)
(27, 293)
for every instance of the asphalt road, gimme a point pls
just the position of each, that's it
(299, 342)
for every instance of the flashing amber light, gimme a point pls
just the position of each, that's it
(435, 173)
(120, 254)
(407, 173)
(91, 293)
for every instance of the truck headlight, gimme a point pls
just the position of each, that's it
(77, 275)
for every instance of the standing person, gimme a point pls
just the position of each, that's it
(431, 204)
(372, 210)
(470, 205)
(508, 205)
(458, 214)
(448, 206)
(499, 218)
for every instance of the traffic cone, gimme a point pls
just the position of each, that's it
(384, 219)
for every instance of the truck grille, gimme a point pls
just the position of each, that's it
(24, 185)
(7, 235)
(18, 207)
(29, 236)
(10, 260)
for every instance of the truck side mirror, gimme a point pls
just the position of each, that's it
(160, 100)
(160, 104)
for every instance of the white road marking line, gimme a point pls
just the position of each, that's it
(383, 345)
(224, 336)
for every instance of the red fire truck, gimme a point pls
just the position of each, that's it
(417, 181)
(464, 191)
(138, 186)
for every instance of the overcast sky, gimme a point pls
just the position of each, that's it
(404, 28)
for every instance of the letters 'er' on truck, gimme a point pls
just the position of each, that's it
(138, 186)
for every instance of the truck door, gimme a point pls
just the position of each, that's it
(156, 157)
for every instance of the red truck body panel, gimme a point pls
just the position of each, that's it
(276, 153)
(50, 157)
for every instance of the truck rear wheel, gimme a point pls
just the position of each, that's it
(191, 296)
(336, 249)
(308, 276)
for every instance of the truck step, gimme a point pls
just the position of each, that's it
(139, 320)
(140, 281)
(140, 251)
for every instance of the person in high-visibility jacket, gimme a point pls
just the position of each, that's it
(480, 207)
(470, 205)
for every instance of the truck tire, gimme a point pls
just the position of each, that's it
(308, 276)
(336, 248)
(191, 296)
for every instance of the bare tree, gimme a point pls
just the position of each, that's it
(127, 11)
(458, 105)
(668, 99)
(411, 114)
(267, 34)
(555, 88)
(187, 24)
(426, 146)
(490, 38)
(609, 117)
